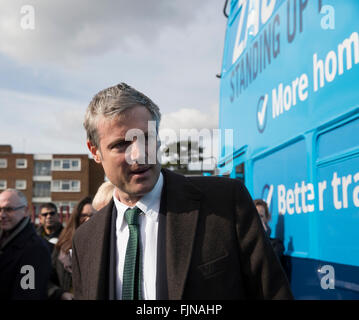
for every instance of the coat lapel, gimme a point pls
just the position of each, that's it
(98, 248)
(182, 202)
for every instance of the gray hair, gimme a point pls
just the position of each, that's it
(20, 194)
(111, 102)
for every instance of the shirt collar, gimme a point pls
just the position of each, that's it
(149, 203)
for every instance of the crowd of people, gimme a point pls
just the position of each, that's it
(35, 261)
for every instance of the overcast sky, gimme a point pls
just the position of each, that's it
(171, 50)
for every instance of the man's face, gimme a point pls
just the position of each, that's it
(14, 210)
(132, 179)
(49, 217)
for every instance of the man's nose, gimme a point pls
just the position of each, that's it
(138, 151)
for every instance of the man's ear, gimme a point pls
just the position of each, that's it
(94, 151)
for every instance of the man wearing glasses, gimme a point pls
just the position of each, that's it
(50, 225)
(25, 262)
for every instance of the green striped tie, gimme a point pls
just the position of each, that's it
(131, 285)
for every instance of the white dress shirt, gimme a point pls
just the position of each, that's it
(150, 206)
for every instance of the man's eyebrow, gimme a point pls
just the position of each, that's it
(123, 139)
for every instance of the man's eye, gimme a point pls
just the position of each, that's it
(122, 145)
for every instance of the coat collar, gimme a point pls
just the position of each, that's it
(180, 202)
(98, 244)
(17, 230)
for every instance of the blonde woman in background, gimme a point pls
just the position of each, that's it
(103, 195)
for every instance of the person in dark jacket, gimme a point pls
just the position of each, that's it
(60, 285)
(25, 263)
(265, 216)
(50, 225)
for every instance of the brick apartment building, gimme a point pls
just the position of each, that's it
(60, 178)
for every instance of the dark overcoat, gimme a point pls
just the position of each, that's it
(215, 245)
(18, 282)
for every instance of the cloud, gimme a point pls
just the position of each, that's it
(54, 125)
(189, 118)
(168, 49)
(42, 124)
(195, 125)
(66, 30)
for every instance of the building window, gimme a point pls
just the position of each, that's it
(3, 163)
(65, 206)
(3, 184)
(42, 189)
(20, 184)
(42, 168)
(66, 164)
(75, 164)
(56, 165)
(65, 186)
(21, 163)
(75, 185)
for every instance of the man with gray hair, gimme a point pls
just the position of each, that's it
(163, 235)
(25, 262)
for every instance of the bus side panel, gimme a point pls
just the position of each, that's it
(338, 194)
(278, 178)
(314, 282)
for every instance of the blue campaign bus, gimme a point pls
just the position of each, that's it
(289, 91)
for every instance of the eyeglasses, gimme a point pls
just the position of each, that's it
(10, 209)
(51, 213)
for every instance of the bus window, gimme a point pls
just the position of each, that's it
(240, 172)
